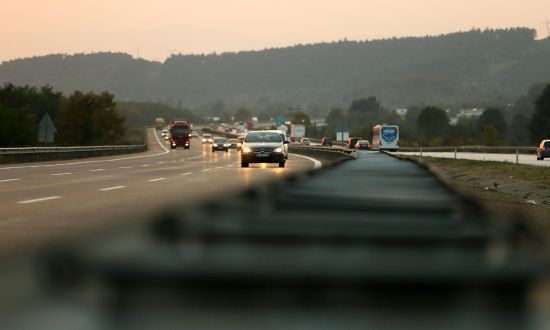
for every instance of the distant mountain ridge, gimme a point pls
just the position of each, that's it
(458, 68)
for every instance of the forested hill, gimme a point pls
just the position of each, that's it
(466, 67)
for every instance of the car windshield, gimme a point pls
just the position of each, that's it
(220, 140)
(233, 141)
(180, 130)
(263, 137)
(207, 136)
(547, 144)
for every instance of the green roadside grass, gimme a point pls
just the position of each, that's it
(538, 175)
(504, 188)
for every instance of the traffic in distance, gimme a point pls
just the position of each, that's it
(266, 146)
(179, 134)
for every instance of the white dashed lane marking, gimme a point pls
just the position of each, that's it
(98, 170)
(9, 180)
(60, 174)
(207, 169)
(157, 179)
(38, 200)
(112, 188)
(188, 173)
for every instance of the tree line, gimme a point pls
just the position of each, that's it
(80, 119)
(431, 125)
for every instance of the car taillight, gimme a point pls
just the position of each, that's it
(542, 149)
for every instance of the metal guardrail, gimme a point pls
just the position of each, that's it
(334, 149)
(33, 150)
(10, 155)
(484, 149)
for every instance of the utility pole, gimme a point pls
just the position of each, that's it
(547, 28)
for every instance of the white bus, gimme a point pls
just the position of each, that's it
(385, 137)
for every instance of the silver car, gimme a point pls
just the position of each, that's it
(263, 147)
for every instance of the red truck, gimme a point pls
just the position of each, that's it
(180, 131)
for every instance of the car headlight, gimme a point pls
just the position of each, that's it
(227, 145)
(215, 144)
(239, 144)
(247, 149)
(280, 149)
(203, 140)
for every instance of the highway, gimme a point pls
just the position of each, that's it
(510, 158)
(52, 201)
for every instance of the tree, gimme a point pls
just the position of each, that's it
(365, 112)
(26, 106)
(242, 115)
(300, 118)
(519, 130)
(225, 117)
(432, 122)
(335, 117)
(494, 118)
(16, 129)
(489, 135)
(90, 119)
(540, 122)
(364, 105)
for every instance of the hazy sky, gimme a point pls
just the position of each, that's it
(155, 29)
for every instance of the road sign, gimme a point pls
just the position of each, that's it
(46, 129)
(279, 120)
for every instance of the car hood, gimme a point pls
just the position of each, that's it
(262, 144)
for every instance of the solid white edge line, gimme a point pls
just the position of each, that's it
(9, 180)
(112, 188)
(157, 179)
(93, 161)
(316, 163)
(38, 200)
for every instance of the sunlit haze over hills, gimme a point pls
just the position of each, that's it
(155, 29)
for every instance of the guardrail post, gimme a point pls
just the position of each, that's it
(517, 156)
(455, 153)
(420, 151)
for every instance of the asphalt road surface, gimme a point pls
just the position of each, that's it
(52, 201)
(510, 158)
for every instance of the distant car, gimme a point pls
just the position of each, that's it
(326, 141)
(232, 143)
(220, 144)
(263, 147)
(363, 145)
(194, 134)
(207, 138)
(352, 142)
(543, 150)
(240, 140)
(164, 133)
(304, 141)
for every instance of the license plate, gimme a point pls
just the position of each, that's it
(262, 155)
